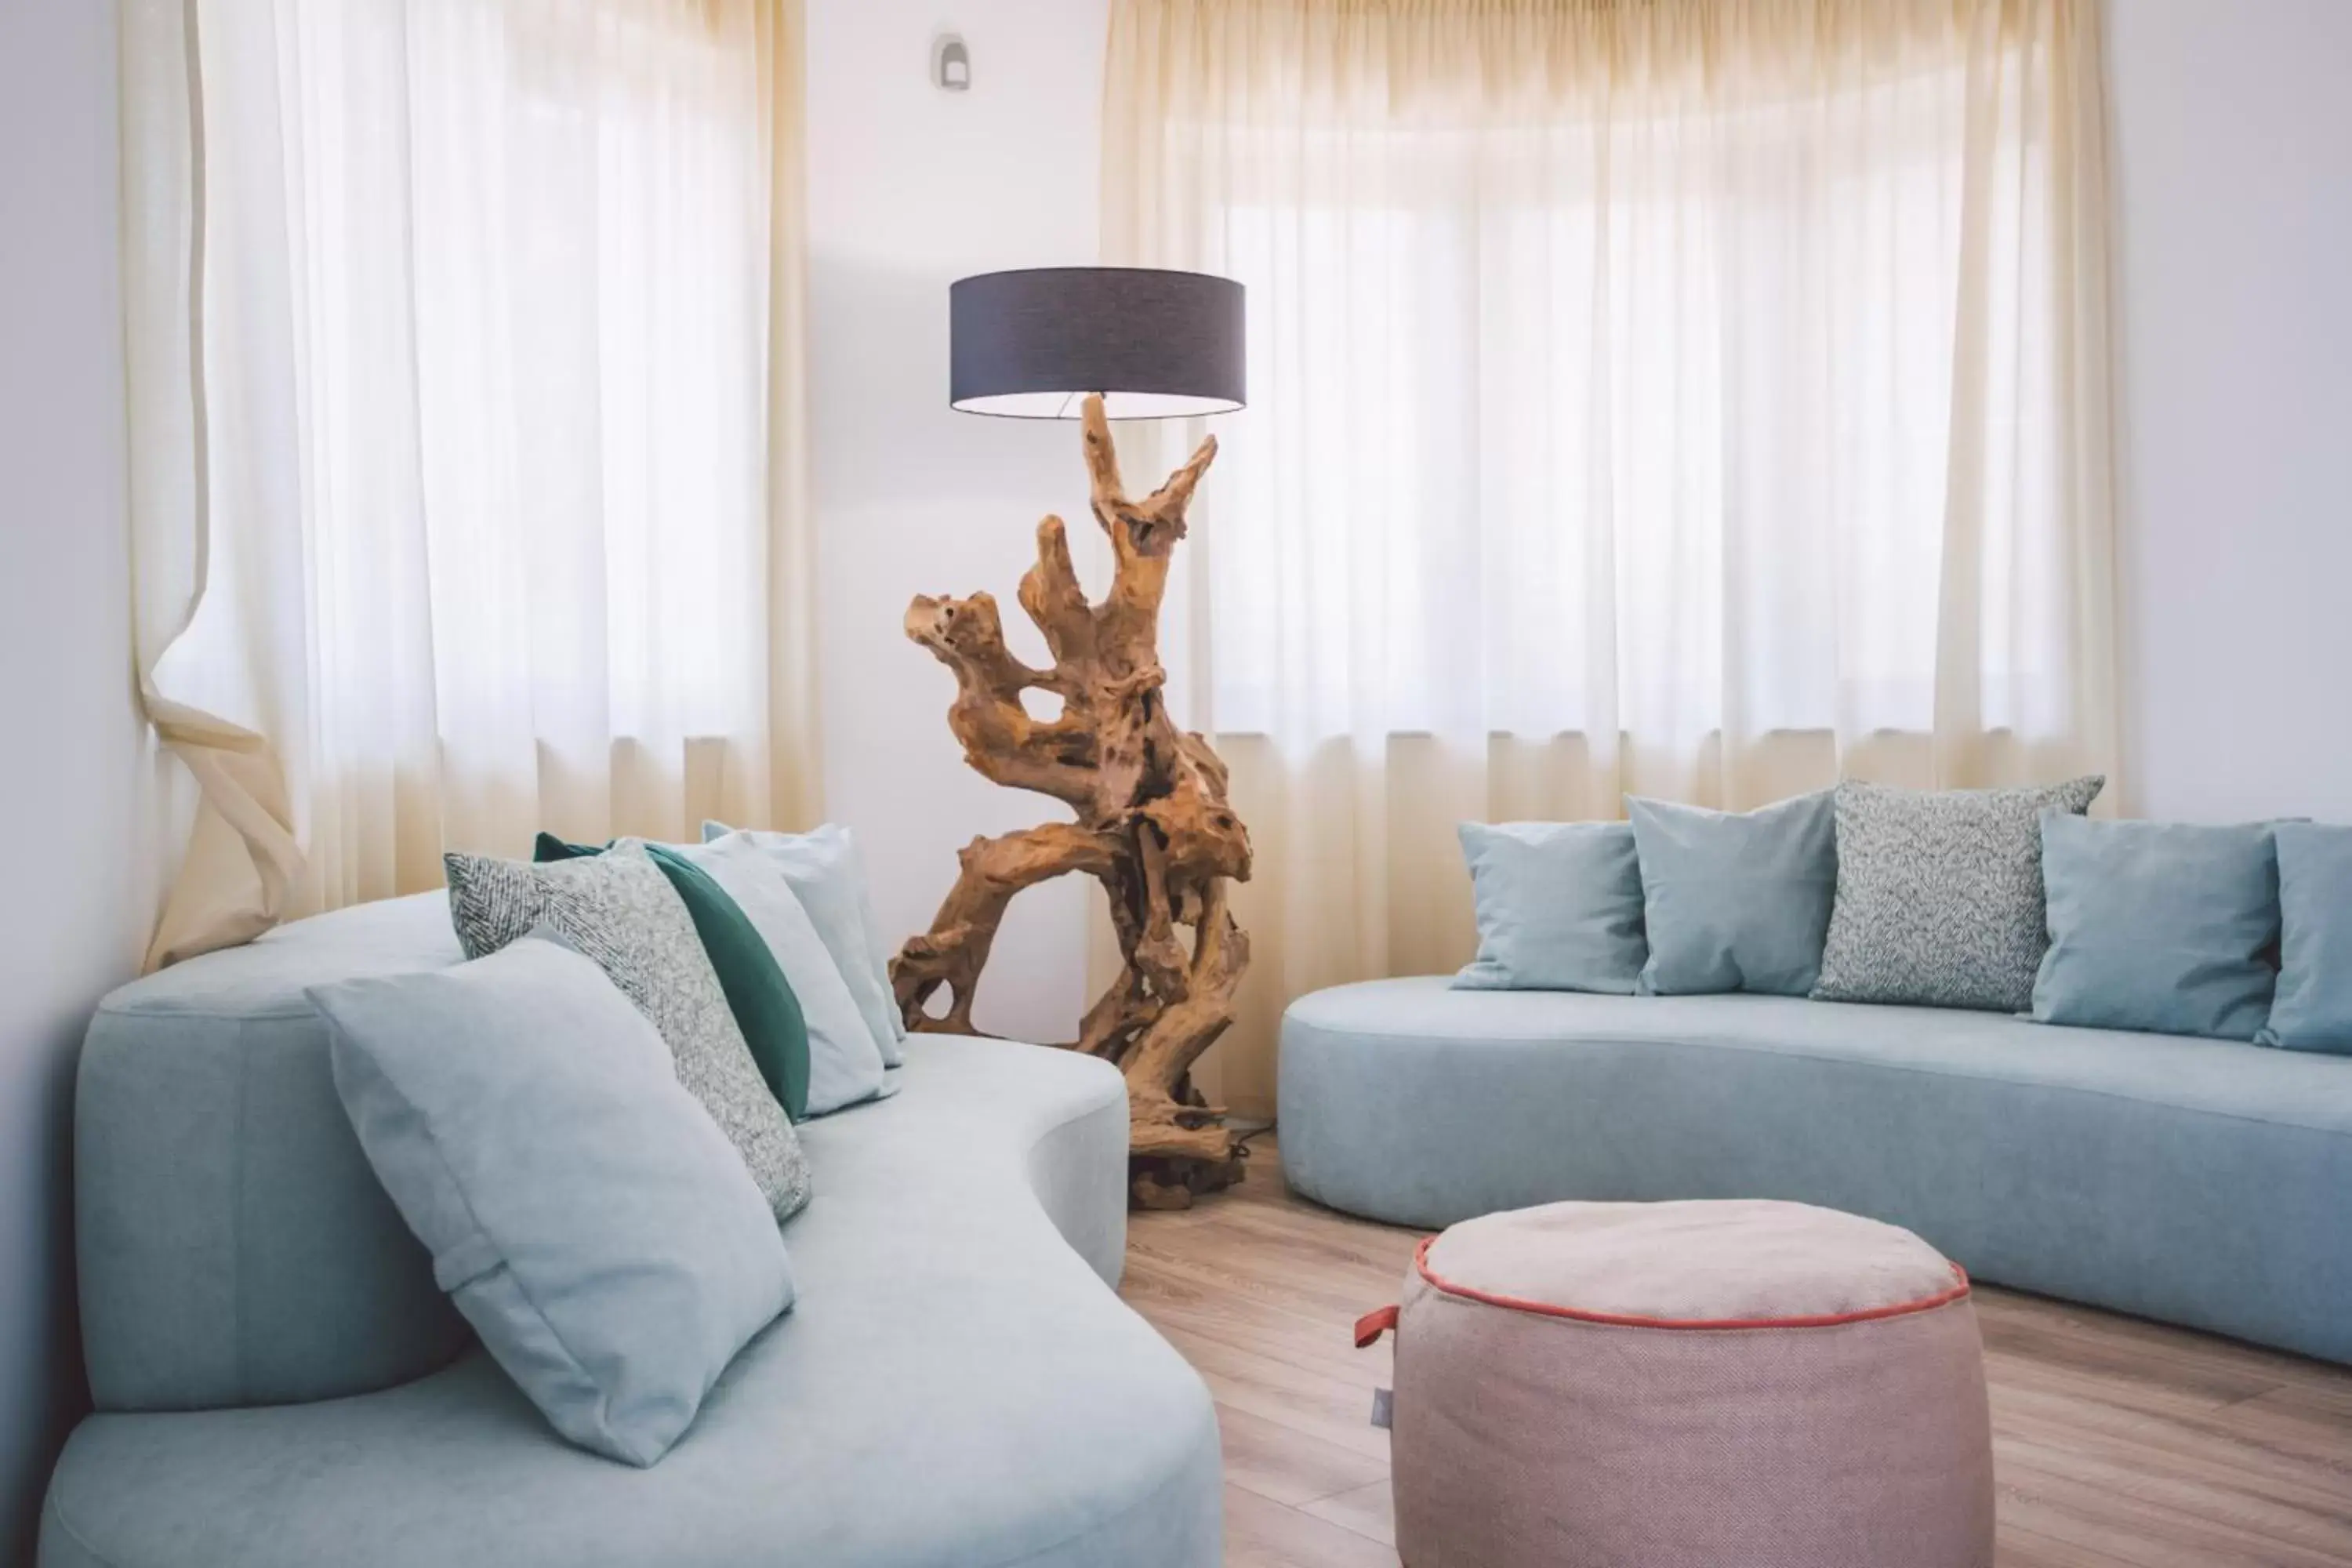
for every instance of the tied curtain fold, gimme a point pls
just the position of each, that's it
(465, 358)
(1704, 399)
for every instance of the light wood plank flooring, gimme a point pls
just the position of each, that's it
(2115, 1442)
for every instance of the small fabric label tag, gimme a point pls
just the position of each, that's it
(1383, 1407)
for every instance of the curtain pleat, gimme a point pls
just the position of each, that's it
(1696, 398)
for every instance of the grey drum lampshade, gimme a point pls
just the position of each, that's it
(1155, 344)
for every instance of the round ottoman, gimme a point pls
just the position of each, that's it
(1687, 1385)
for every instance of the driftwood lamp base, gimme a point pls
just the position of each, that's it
(1153, 825)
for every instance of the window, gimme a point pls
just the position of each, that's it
(482, 435)
(1686, 394)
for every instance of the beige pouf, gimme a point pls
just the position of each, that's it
(1687, 1385)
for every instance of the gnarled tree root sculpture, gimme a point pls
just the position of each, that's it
(1153, 826)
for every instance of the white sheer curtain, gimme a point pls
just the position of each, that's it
(1699, 398)
(465, 357)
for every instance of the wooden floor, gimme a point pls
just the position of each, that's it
(2115, 1441)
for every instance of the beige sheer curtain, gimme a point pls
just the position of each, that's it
(465, 347)
(1698, 398)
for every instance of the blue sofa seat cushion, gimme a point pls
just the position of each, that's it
(2198, 1181)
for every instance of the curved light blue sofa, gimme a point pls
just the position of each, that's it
(278, 1380)
(2197, 1182)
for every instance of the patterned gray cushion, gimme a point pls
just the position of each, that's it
(1939, 898)
(619, 909)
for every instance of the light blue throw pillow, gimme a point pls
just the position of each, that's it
(2313, 1008)
(584, 1210)
(1735, 901)
(827, 874)
(2160, 926)
(1560, 907)
(844, 1061)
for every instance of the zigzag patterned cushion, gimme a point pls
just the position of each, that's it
(1939, 894)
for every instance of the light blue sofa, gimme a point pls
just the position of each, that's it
(279, 1382)
(2198, 1181)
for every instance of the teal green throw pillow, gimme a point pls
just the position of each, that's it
(2159, 926)
(1735, 901)
(1560, 907)
(757, 992)
(2313, 1008)
(582, 1209)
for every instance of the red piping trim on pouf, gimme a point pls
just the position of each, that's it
(1372, 1325)
(1820, 1320)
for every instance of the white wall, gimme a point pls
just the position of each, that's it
(72, 745)
(2233, 141)
(910, 189)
